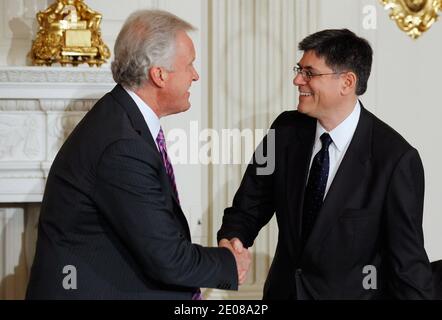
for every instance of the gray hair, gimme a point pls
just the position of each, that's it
(147, 39)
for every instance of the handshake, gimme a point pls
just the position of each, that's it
(241, 254)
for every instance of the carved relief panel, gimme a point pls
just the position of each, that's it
(21, 136)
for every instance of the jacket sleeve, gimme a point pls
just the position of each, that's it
(132, 200)
(253, 205)
(410, 275)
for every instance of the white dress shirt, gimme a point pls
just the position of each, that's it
(152, 120)
(341, 136)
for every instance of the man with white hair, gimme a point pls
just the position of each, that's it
(111, 225)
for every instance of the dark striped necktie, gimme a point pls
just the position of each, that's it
(316, 185)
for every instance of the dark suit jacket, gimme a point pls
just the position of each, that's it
(371, 216)
(436, 266)
(109, 211)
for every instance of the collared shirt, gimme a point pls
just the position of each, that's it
(152, 120)
(341, 136)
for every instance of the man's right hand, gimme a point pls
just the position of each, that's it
(242, 257)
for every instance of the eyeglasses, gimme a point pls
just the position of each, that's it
(307, 75)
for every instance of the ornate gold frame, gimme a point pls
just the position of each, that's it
(413, 16)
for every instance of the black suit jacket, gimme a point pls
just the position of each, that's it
(371, 216)
(109, 211)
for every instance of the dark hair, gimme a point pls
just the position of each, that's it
(343, 51)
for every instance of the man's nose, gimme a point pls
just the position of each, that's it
(196, 76)
(299, 80)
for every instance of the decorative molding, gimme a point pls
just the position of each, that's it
(46, 105)
(19, 105)
(54, 82)
(59, 127)
(20, 138)
(21, 170)
(66, 105)
(83, 75)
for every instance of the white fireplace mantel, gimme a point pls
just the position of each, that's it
(39, 107)
(54, 82)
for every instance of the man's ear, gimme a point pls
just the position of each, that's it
(349, 83)
(158, 76)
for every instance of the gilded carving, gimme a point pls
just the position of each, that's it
(69, 33)
(413, 16)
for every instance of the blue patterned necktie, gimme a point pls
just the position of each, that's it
(161, 142)
(316, 185)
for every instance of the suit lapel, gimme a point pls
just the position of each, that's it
(134, 114)
(138, 122)
(354, 168)
(298, 161)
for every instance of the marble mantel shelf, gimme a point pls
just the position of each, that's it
(39, 107)
(54, 82)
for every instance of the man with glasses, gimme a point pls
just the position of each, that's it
(347, 189)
